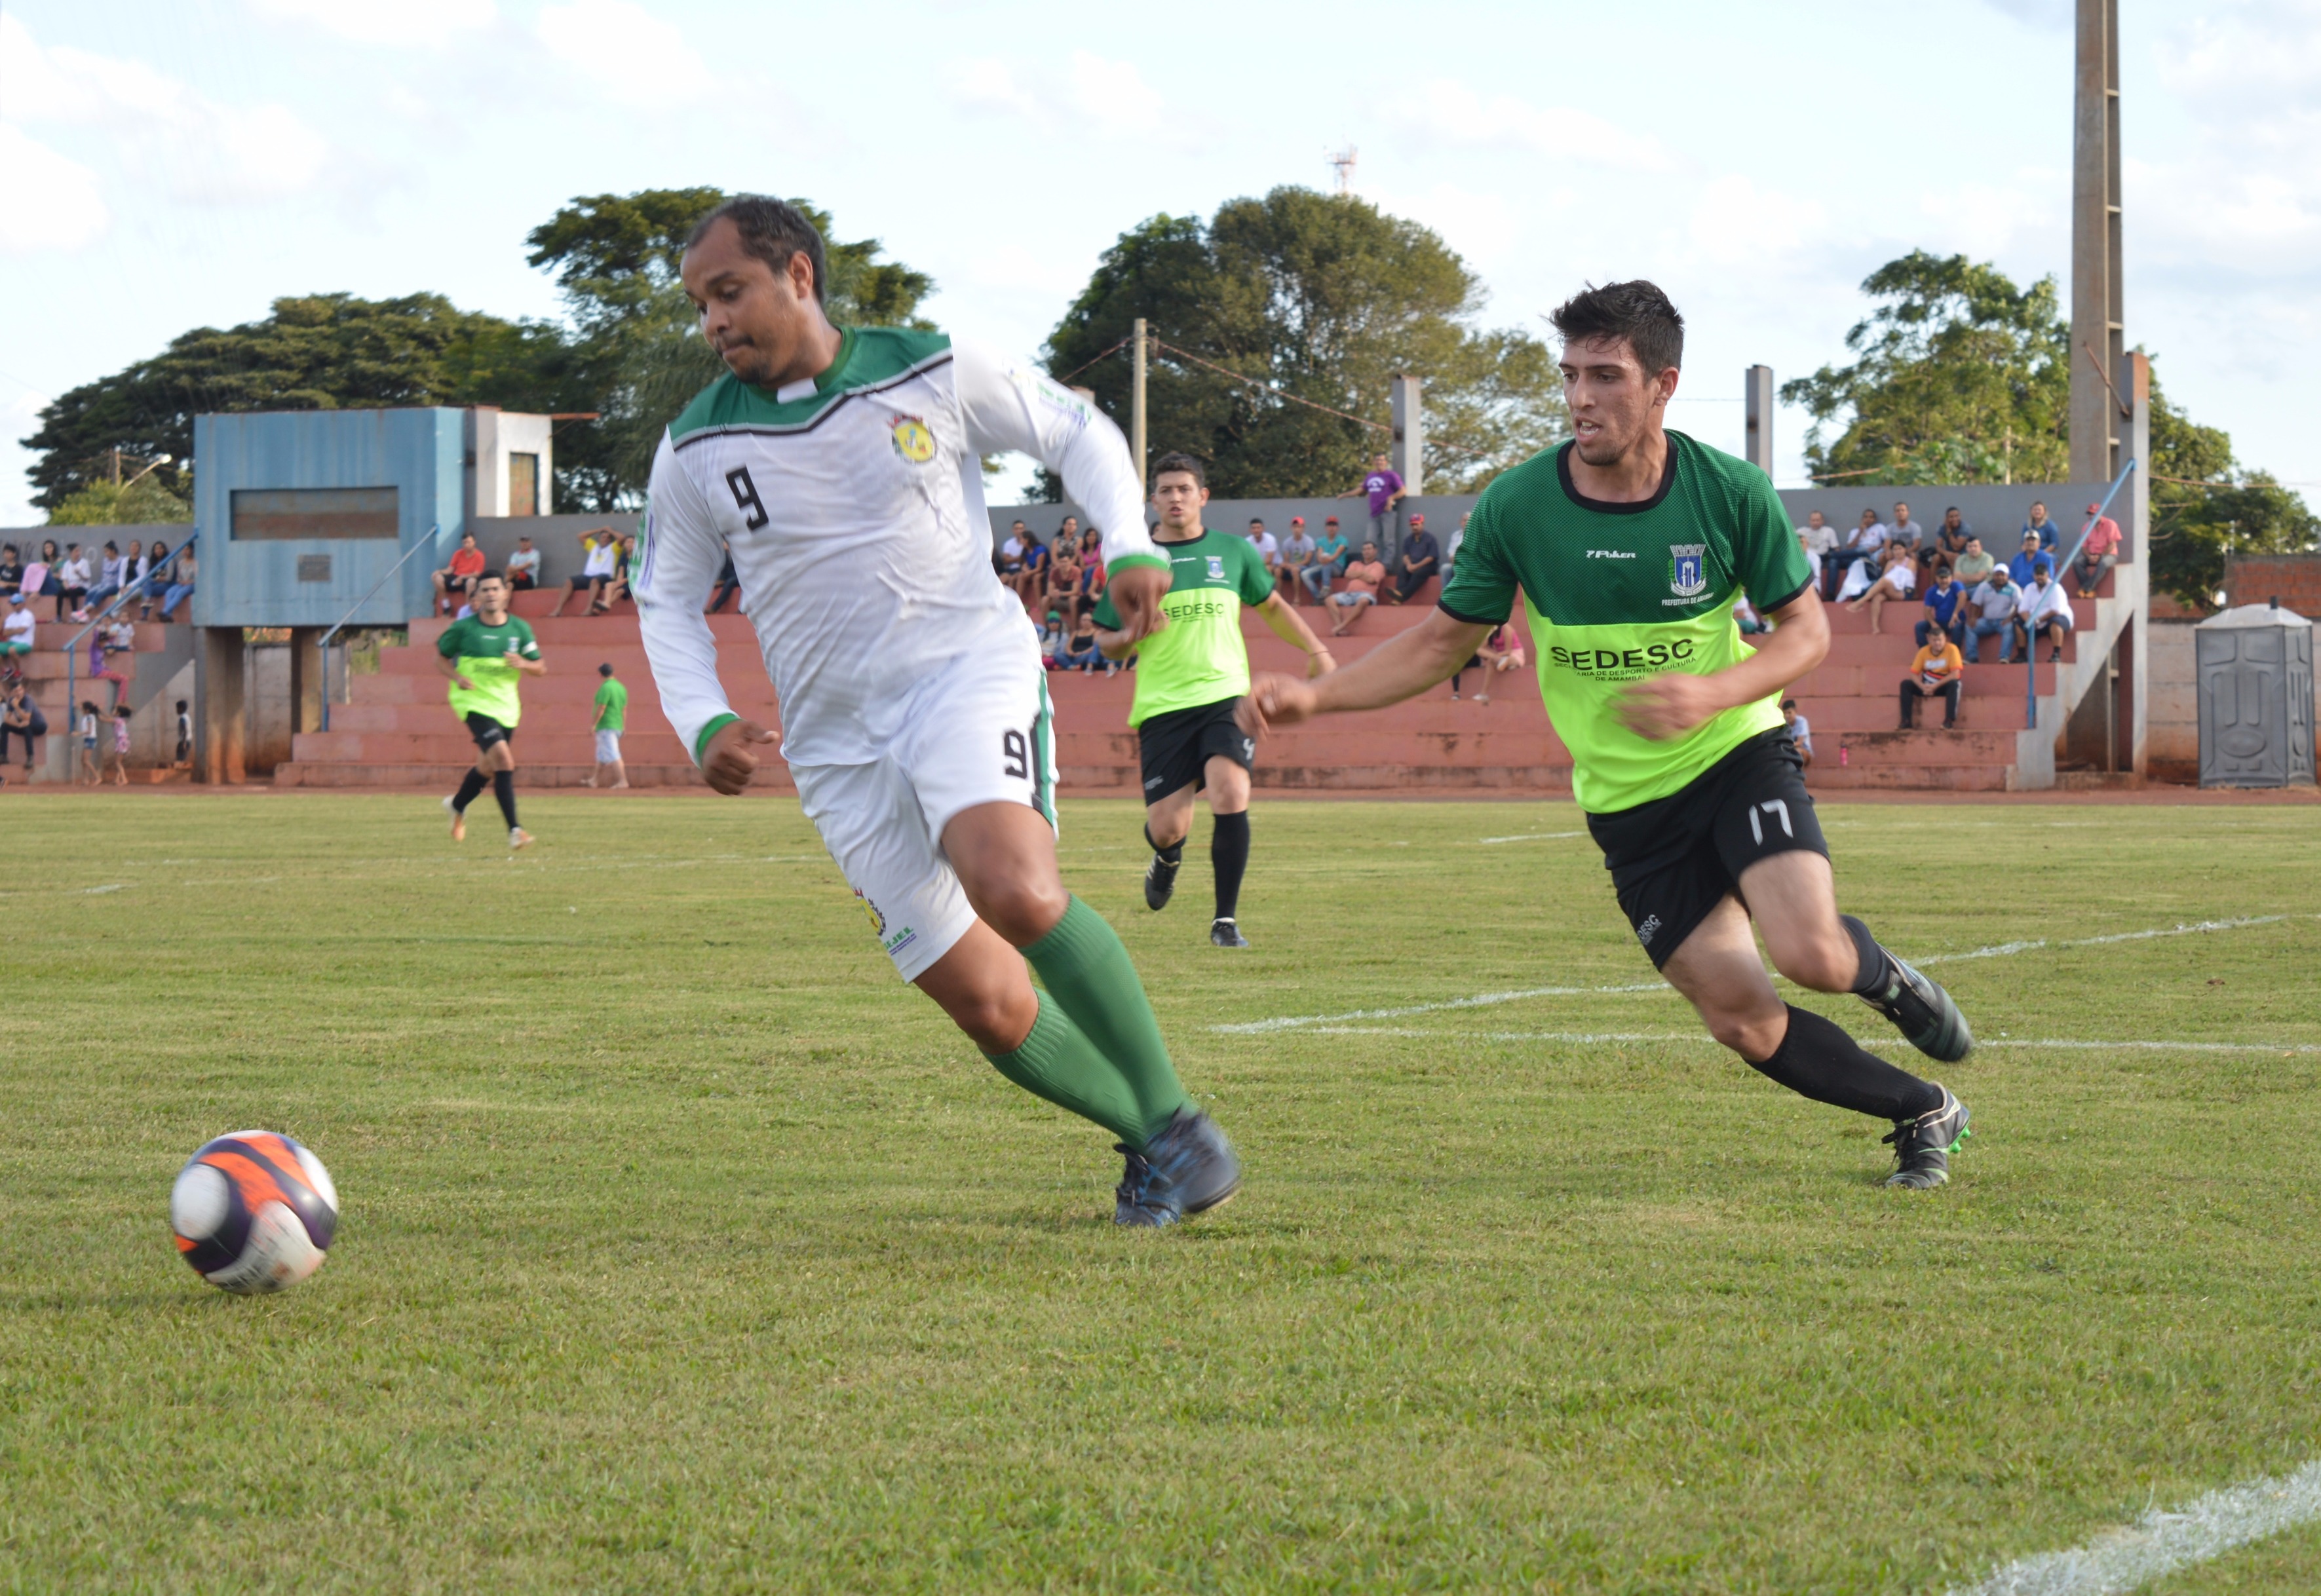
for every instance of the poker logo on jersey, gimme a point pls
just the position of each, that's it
(913, 441)
(1687, 569)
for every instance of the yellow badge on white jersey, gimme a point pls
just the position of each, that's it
(913, 441)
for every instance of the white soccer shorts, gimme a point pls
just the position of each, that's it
(608, 747)
(979, 730)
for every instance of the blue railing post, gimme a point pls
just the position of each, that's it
(426, 542)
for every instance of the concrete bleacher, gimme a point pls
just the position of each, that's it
(55, 679)
(398, 731)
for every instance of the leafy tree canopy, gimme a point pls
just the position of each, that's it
(2205, 507)
(1316, 297)
(131, 504)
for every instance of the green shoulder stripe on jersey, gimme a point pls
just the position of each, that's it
(868, 358)
(717, 723)
(1129, 562)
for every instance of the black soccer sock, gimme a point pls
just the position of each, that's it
(503, 789)
(1173, 854)
(470, 785)
(1818, 1060)
(1229, 852)
(1871, 974)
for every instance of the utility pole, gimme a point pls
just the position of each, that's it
(1136, 404)
(1408, 455)
(2100, 377)
(1757, 395)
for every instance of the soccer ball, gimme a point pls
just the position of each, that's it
(253, 1212)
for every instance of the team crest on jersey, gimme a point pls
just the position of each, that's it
(878, 920)
(1687, 569)
(1217, 567)
(913, 441)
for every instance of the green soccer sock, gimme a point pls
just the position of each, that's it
(1058, 1062)
(1087, 972)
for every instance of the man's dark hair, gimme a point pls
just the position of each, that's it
(773, 231)
(603, 670)
(484, 576)
(1635, 311)
(1177, 461)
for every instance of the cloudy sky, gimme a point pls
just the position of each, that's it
(169, 165)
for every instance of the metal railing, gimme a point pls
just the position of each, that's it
(2031, 637)
(129, 589)
(324, 648)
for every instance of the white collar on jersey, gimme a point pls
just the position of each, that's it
(789, 392)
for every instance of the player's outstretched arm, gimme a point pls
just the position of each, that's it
(1673, 702)
(681, 558)
(1402, 667)
(1290, 627)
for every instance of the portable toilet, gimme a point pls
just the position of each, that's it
(2255, 665)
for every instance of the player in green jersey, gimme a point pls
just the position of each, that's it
(1190, 677)
(482, 654)
(1629, 545)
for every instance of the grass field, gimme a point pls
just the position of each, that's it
(683, 1248)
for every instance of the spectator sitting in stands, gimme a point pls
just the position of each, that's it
(1080, 651)
(11, 572)
(1031, 580)
(1864, 552)
(1328, 563)
(1975, 564)
(22, 719)
(1936, 672)
(21, 628)
(1813, 554)
(1745, 617)
(111, 574)
(1297, 554)
(1946, 604)
(2041, 607)
(601, 552)
(1898, 581)
(1363, 578)
(2099, 552)
(182, 588)
(1499, 652)
(1063, 594)
(1009, 561)
(457, 580)
(1801, 731)
(73, 583)
(1052, 641)
(1950, 539)
(1453, 544)
(1902, 530)
(156, 580)
(2041, 527)
(2032, 559)
(1091, 570)
(1820, 538)
(1268, 547)
(1992, 605)
(40, 576)
(1421, 556)
(523, 569)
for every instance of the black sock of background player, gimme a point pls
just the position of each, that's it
(1171, 854)
(1229, 852)
(470, 785)
(1871, 977)
(503, 789)
(1818, 1060)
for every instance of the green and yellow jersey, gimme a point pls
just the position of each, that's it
(1617, 592)
(1198, 658)
(479, 653)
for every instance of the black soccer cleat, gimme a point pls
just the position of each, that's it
(1190, 1167)
(1923, 1012)
(1922, 1147)
(1134, 1203)
(1161, 880)
(1224, 933)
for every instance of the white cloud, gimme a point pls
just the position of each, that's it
(987, 83)
(1091, 94)
(20, 414)
(47, 201)
(166, 135)
(1735, 222)
(1480, 226)
(627, 48)
(405, 21)
(1113, 94)
(1985, 219)
(1450, 112)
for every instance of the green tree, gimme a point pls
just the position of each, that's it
(2205, 507)
(105, 503)
(1313, 297)
(325, 351)
(616, 259)
(1959, 376)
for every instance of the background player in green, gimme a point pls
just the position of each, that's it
(1629, 545)
(484, 655)
(611, 719)
(1190, 676)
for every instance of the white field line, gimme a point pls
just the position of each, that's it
(1585, 1036)
(1529, 837)
(2134, 1554)
(2002, 949)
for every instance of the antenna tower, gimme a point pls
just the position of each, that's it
(1342, 163)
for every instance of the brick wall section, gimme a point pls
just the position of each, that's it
(2295, 579)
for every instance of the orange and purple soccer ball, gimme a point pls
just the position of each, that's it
(253, 1212)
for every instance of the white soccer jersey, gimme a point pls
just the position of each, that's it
(853, 505)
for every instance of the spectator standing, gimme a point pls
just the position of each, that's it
(111, 575)
(1329, 560)
(1975, 564)
(2042, 608)
(455, 583)
(1898, 581)
(23, 720)
(523, 567)
(100, 644)
(88, 745)
(1801, 731)
(181, 587)
(118, 760)
(185, 734)
(2050, 536)
(611, 719)
(2031, 560)
(600, 550)
(1297, 554)
(1946, 604)
(1363, 579)
(2099, 552)
(728, 582)
(1383, 488)
(1936, 672)
(1420, 560)
(19, 630)
(1991, 608)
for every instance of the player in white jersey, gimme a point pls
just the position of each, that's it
(842, 467)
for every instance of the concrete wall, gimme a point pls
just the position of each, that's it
(492, 436)
(2174, 728)
(1994, 513)
(1442, 510)
(557, 536)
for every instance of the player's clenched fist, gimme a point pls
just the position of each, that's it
(1136, 592)
(1274, 700)
(728, 764)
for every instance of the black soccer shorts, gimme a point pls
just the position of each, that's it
(1177, 747)
(1674, 859)
(486, 732)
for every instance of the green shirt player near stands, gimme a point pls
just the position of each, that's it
(484, 656)
(1190, 676)
(1629, 545)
